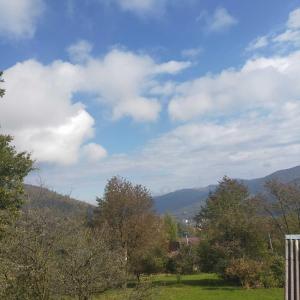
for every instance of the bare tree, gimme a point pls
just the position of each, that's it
(86, 264)
(27, 258)
(282, 204)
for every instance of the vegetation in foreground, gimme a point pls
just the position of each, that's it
(197, 287)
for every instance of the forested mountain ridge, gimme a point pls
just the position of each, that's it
(186, 202)
(40, 198)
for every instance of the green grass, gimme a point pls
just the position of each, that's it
(201, 287)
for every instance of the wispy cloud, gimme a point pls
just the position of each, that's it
(140, 7)
(192, 52)
(286, 38)
(220, 21)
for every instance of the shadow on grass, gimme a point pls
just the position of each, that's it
(209, 284)
(204, 283)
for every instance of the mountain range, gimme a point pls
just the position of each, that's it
(183, 204)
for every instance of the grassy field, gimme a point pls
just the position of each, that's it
(201, 287)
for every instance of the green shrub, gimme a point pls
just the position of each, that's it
(273, 275)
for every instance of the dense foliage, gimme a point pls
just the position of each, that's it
(242, 236)
(127, 211)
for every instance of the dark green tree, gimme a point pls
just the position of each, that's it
(231, 229)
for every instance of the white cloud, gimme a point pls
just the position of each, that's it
(41, 107)
(258, 43)
(39, 112)
(261, 83)
(219, 21)
(18, 18)
(123, 79)
(284, 39)
(80, 51)
(172, 67)
(94, 152)
(294, 19)
(289, 36)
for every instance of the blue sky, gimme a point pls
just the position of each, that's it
(167, 93)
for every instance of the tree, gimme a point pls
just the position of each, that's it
(171, 228)
(48, 257)
(282, 205)
(128, 212)
(85, 262)
(14, 167)
(27, 258)
(232, 228)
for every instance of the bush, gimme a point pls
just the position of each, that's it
(273, 276)
(246, 272)
(252, 273)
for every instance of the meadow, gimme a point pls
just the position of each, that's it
(200, 286)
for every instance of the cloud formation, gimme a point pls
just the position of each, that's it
(52, 122)
(18, 18)
(201, 152)
(260, 84)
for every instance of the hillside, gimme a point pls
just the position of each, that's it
(186, 202)
(182, 203)
(43, 198)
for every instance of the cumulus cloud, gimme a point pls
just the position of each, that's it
(39, 113)
(122, 80)
(52, 122)
(247, 127)
(259, 84)
(219, 21)
(18, 18)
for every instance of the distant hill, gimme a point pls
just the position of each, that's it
(186, 202)
(43, 198)
(183, 203)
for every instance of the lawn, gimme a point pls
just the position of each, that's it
(202, 286)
